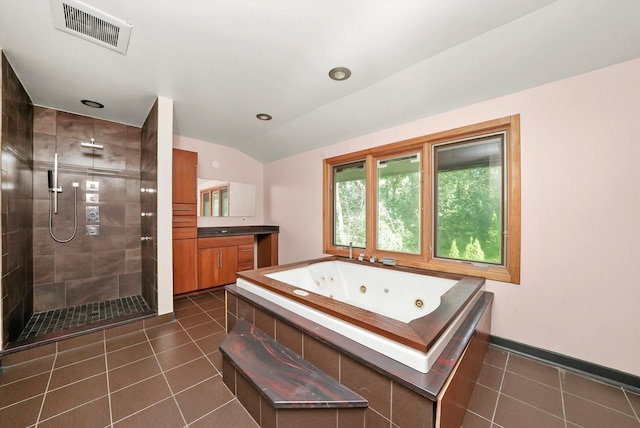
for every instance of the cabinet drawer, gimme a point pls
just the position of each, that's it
(185, 209)
(225, 241)
(186, 221)
(245, 253)
(185, 233)
(245, 266)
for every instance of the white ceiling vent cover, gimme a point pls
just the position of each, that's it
(86, 22)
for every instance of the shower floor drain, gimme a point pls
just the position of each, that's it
(56, 320)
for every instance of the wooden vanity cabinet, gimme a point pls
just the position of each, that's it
(219, 258)
(185, 222)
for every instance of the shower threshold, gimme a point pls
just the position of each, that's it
(53, 325)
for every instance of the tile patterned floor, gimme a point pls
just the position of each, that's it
(515, 391)
(43, 323)
(170, 376)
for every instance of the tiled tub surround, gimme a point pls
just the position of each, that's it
(88, 268)
(396, 394)
(17, 228)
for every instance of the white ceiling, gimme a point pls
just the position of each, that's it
(224, 61)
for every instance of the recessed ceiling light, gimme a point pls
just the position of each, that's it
(339, 73)
(264, 116)
(93, 104)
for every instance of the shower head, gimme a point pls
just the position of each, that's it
(92, 145)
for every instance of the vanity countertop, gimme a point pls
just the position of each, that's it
(207, 232)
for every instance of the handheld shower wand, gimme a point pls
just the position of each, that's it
(52, 177)
(53, 183)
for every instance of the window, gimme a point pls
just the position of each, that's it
(398, 204)
(214, 201)
(468, 206)
(448, 201)
(349, 197)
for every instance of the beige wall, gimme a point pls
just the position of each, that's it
(231, 165)
(580, 211)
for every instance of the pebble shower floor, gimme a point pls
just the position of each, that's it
(42, 323)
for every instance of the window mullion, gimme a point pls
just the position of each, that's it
(372, 201)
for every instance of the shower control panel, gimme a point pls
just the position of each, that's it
(93, 214)
(92, 186)
(93, 229)
(92, 198)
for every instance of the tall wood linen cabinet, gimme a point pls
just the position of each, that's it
(185, 222)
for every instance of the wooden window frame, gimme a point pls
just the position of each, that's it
(210, 191)
(509, 272)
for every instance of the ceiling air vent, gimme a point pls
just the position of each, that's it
(88, 23)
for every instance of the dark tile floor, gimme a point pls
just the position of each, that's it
(170, 376)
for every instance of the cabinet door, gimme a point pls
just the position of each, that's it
(217, 266)
(185, 189)
(207, 262)
(184, 265)
(228, 265)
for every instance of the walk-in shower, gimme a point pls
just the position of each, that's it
(107, 279)
(83, 280)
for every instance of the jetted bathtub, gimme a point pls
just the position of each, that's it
(406, 314)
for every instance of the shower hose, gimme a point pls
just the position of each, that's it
(75, 217)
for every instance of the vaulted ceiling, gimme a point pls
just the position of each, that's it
(225, 61)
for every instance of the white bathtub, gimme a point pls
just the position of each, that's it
(386, 292)
(391, 293)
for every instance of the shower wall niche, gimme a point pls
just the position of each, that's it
(91, 267)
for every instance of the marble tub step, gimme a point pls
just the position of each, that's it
(274, 383)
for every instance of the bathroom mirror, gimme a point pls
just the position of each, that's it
(217, 198)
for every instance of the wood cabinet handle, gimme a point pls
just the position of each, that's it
(220, 260)
(247, 251)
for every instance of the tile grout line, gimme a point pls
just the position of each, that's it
(215, 410)
(142, 410)
(626, 395)
(605, 406)
(203, 353)
(44, 396)
(534, 407)
(564, 412)
(72, 408)
(534, 380)
(184, 419)
(504, 372)
(106, 372)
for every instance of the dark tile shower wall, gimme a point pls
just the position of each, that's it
(149, 202)
(88, 268)
(17, 261)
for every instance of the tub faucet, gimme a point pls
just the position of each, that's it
(372, 259)
(350, 250)
(361, 257)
